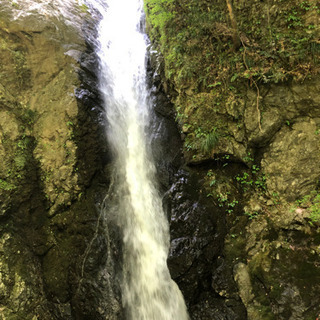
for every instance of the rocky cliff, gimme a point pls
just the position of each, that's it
(245, 207)
(55, 262)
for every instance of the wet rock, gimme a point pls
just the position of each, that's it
(212, 308)
(197, 231)
(193, 229)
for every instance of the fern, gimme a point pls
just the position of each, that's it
(210, 141)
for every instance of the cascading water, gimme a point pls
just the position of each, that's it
(147, 290)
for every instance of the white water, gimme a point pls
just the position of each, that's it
(68, 11)
(147, 290)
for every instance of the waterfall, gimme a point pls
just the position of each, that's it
(148, 292)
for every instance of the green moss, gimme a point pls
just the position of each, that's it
(18, 150)
(312, 203)
(20, 161)
(28, 116)
(315, 209)
(14, 54)
(4, 185)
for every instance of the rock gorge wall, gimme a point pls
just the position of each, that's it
(55, 255)
(245, 207)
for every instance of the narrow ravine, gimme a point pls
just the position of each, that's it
(147, 289)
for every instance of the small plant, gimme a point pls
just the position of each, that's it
(305, 5)
(70, 124)
(210, 141)
(312, 202)
(225, 201)
(251, 215)
(218, 83)
(261, 182)
(223, 198)
(231, 205)
(256, 178)
(188, 146)
(210, 173)
(275, 198)
(21, 145)
(255, 169)
(248, 158)
(213, 182)
(226, 158)
(305, 202)
(245, 181)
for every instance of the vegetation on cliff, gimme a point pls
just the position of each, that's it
(228, 98)
(280, 41)
(249, 115)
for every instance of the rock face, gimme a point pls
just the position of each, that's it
(245, 206)
(299, 175)
(282, 266)
(197, 231)
(56, 256)
(256, 237)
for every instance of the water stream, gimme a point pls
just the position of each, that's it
(148, 292)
